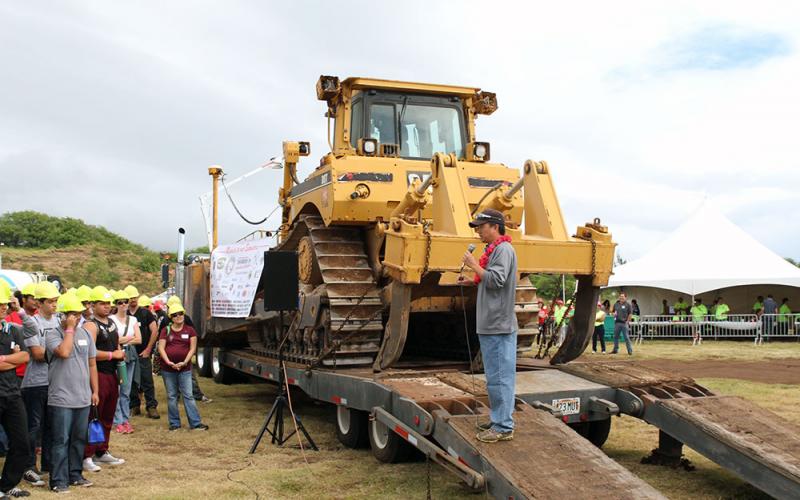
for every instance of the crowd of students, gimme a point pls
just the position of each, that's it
(77, 361)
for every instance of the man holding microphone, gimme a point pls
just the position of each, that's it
(496, 278)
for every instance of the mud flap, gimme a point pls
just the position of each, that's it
(581, 326)
(394, 336)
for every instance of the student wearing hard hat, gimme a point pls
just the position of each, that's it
(104, 335)
(12, 408)
(35, 384)
(143, 378)
(84, 294)
(28, 299)
(177, 344)
(73, 390)
(129, 337)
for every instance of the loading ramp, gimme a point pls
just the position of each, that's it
(754, 443)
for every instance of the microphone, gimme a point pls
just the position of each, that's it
(470, 249)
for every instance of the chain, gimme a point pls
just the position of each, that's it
(426, 231)
(594, 256)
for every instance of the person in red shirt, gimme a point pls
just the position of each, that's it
(177, 343)
(542, 317)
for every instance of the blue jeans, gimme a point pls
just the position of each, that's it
(499, 353)
(180, 382)
(123, 413)
(35, 399)
(68, 429)
(621, 328)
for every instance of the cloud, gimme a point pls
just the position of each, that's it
(114, 111)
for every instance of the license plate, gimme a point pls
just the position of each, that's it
(568, 406)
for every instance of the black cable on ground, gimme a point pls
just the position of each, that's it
(228, 475)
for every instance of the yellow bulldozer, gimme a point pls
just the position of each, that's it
(381, 224)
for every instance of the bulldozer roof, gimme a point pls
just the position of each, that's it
(430, 88)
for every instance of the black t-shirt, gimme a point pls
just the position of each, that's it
(145, 318)
(107, 340)
(10, 335)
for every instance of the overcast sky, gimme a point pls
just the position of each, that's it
(112, 111)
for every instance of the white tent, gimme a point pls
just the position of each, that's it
(707, 252)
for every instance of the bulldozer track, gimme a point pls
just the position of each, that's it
(337, 269)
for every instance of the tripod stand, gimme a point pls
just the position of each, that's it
(281, 402)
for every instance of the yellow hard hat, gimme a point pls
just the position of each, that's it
(45, 290)
(71, 290)
(174, 299)
(70, 303)
(131, 291)
(176, 307)
(119, 295)
(29, 289)
(84, 293)
(100, 294)
(5, 295)
(145, 301)
(5, 287)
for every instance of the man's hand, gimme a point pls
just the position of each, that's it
(469, 261)
(118, 354)
(463, 280)
(72, 321)
(145, 353)
(95, 399)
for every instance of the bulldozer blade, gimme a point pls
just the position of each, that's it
(394, 335)
(581, 326)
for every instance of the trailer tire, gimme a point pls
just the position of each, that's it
(204, 355)
(222, 374)
(352, 427)
(598, 431)
(386, 445)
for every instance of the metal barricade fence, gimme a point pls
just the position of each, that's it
(741, 326)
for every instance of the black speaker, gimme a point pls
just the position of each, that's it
(280, 281)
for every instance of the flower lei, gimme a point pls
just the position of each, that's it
(484, 260)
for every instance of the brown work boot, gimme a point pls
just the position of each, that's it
(136, 411)
(153, 413)
(493, 436)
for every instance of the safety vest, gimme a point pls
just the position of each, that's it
(559, 313)
(721, 313)
(784, 312)
(698, 312)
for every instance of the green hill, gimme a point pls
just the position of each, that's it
(77, 252)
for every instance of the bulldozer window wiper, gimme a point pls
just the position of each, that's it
(400, 123)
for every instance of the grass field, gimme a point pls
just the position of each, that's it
(215, 464)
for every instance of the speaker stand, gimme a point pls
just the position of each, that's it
(281, 403)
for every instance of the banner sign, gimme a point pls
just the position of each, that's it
(235, 272)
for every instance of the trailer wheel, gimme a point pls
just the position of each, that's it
(598, 431)
(204, 355)
(351, 427)
(222, 374)
(386, 445)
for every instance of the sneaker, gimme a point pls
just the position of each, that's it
(174, 427)
(200, 427)
(60, 489)
(17, 493)
(108, 458)
(33, 478)
(128, 427)
(136, 411)
(120, 429)
(206, 399)
(82, 482)
(493, 436)
(153, 413)
(90, 466)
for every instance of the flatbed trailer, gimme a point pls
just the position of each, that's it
(434, 407)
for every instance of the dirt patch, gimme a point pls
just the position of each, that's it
(777, 371)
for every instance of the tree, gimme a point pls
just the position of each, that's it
(792, 261)
(548, 285)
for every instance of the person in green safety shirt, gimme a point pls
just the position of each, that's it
(699, 312)
(759, 305)
(722, 310)
(784, 313)
(681, 308)
(558, 315)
